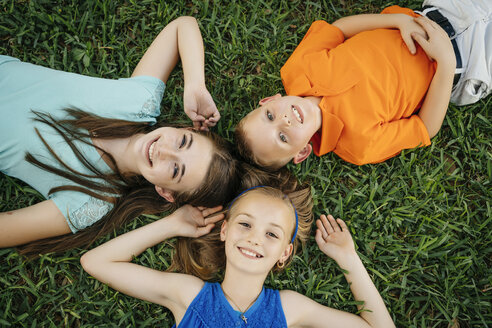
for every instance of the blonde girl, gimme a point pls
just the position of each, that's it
(258, 235)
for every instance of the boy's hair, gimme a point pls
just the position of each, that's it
(246, 152)
(135, 195)
(204, 257)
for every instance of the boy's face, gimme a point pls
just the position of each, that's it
(280, 129)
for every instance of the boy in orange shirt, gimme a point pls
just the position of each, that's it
(354, 87)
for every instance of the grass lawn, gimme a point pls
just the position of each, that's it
(421, 221)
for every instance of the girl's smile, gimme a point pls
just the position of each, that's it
(257, 234)
(172, 159)
(249, 253)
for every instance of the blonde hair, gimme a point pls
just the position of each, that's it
(204, 257)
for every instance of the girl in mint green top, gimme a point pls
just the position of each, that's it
(106, 161)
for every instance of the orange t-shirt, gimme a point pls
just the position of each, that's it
(371, 87)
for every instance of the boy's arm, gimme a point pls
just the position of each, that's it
(111, 262)
(352, 25)
(182, 39)
(439, 48)
(333, 238)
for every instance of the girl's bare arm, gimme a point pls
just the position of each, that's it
(111, 262)
(39, 221)
(181, 39)
(334, 240)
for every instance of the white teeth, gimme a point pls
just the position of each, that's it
(246, 252)
(151, 151)
(296, 113)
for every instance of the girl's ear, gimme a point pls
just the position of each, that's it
(287, 251)
(268, 99)
(223, 230)
(165, 193)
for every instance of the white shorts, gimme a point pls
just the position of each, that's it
(472, 22)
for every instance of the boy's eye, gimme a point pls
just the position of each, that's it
(271, 234)
(176, 170)
(269, 115)
(282, 137)
(183, 141)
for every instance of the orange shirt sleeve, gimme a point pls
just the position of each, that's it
(305, 74)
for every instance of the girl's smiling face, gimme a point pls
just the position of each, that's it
(174, 160)
(258, 232)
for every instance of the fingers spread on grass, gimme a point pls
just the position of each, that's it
(320, 240)
(326, 224)
(321, 227)
(333, 223)
(342, 225)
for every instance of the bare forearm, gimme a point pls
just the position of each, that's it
(39, 221)
(351, 25)
(363, 289)
(133, 243)
(436, 102)
(190, 45)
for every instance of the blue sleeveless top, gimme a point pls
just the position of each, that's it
(210, 309)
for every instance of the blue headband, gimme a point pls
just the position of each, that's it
(295, 211)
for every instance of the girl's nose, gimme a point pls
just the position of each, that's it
(253, 238)
(165, 152)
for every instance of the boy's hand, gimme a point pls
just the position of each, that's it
(408, 27)
(437, 46)
(195, 221)
(200, 107)
(333, 238)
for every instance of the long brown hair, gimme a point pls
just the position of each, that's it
(204, 257)
(135, 195)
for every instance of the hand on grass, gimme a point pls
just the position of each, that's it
(333, 238)
(200, 107)
(437, 46)
(195, 222)
(409, 27)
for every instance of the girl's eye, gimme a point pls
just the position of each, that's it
(271, 234)
(269, 116)
(176, 170)
(282, 137)
(183, 141)
(244, 224)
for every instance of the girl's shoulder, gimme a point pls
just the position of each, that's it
(288, 296)
(295, 306)
(189, 286)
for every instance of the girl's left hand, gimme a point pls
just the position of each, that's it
(195, 222)
(333, 238)
(200, 107)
